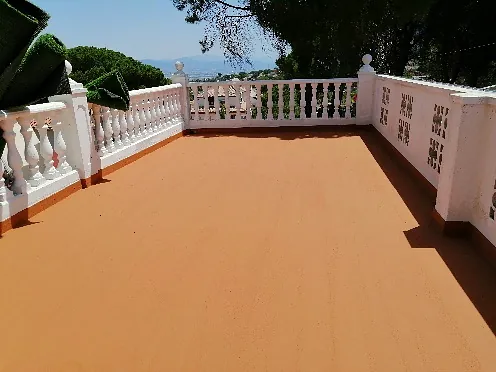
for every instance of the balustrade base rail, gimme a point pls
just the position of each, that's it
(242, 123)
(139, 146)
(15, 204)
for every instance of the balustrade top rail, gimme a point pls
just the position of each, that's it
(138, 92)
(32, 109)
(265, 82)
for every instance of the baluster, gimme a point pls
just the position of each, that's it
(195, 102)
(227, 100)
(107, 130)
(14, 159)
(153, 114)
(216, 102)
(60, 147)
(302, 101)
(314, 100)
(116, 127)
(291, 101)
(280, 103)
(238, 100)
(142, 116)
(148, 115)
(325, 102)
(258, 87)
(137, 119)
(30, 153)
(336, 100)
(123, 125)
(270, 104)
(4, 191)
(168, 114)
(46, 152)
(99, 133)
(177, 108)
(161, 111)
(247, 99)
(348, 101)
(130, 124)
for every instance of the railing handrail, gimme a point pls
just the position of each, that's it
(33, 109)
(138, 92)
(264, 82)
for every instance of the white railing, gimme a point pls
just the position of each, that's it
(272, 103)
(154, 114)
(35, 154)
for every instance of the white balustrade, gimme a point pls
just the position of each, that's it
(99, 133)
(138, 126)
(314, 100)
(216, 102)
(30, 152)
(107, 129)
(241, 94)
(291, 101)
(123, 129)
(46, 152)
(13, 156)
(258, 87)
(302, 100)
(270, 104)
(325, 101)
(5, 193)
(336, 100)
(60, 146)
(348, 101)
(280, 103)
(130, 124)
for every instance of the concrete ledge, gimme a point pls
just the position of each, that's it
(454, 229)
(409, 167)
(316, 128)
(112, 168)
(22, 217)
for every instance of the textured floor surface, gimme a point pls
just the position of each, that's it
(228, 254)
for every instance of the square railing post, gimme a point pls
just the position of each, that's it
(365, 92)
(77, 132)
(459, 179)
(182, 78)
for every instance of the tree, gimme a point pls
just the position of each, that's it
(89, 63)
(327, 37)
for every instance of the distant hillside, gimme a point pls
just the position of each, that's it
(207, 65)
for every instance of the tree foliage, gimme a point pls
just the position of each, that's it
(327, 37)
(90, 63)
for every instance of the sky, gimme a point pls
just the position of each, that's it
(143, 29)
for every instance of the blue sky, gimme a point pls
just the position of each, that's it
(143, 29)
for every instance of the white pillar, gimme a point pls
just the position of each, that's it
(180, 77)
(366, 90)
(77, 129)
(458, 180)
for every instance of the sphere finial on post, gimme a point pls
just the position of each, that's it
(366, 59)
(179, 68)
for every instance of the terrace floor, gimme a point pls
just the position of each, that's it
(279, 252)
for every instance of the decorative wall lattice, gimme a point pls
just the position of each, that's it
(492, 208)
(384, 107)
(439, 130)
(406, 111)
(404, 132)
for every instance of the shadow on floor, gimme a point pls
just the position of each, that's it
(283, 133)
(475, 275)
